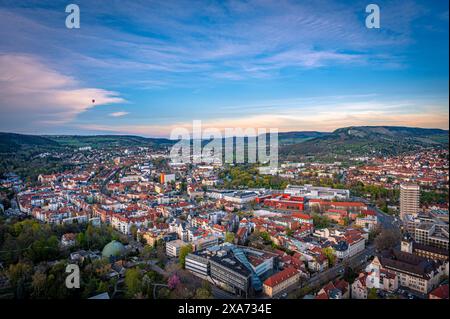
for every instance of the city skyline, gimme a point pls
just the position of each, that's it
(224, 158)
(150, 67)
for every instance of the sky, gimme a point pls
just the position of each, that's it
(152, 66)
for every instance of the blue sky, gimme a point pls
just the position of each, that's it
(155, 65)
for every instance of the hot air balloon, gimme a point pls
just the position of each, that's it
(93, 100)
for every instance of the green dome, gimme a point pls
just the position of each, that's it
(114, 249)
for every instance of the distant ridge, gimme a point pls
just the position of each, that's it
(299, 137)
(11, 142)
(364, 140)
(352, 140)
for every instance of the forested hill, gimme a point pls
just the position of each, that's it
(366, 140)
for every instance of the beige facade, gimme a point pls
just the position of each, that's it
(273, 287)
(359, 288)
(409, 199)
(422, 283)
(432, 234)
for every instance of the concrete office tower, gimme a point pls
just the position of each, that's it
(409, 199)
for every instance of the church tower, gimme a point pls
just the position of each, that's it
(407, 244)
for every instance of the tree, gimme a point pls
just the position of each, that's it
(374, 233)
(173, 281)
(346, 221)
(148, 252)
(372, 294)
(38, 284)
(161, 252)
(431, 197)
(132, 282)
(329, 253)
(320, 221)
(172, 268)
(44, 249)
(80, 240)
(141, 238)
(163, 293)
(103, 286)
(90, 287)
(388, 238)
(349, 274)
(19, 273)
(265, 236)
(181, 292)
(300, 293)
(203, 293)
(133, 230)
(229, 237)
(184, 251)
(56, 287)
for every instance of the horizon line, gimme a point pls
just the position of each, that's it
(168, 138)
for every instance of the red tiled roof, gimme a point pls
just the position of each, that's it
(241, 232)
(348, 204)
(279, 252)
(322, 296)
(342, 285)
(440, 292)
(370, 212)
(337, 204)
(301, 216)
(281, 276)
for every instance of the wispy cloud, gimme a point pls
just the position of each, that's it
(118, 114)
(230, 40)
(31, 93)
(321, 117)
(221, 61)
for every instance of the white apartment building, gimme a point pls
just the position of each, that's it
(313, 192)
(346, 249)
(368, 222)
(173, 247)
(240, 197)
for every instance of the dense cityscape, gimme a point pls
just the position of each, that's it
(224, 158)
(141, 226)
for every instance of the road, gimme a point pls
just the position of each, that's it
(319, 279)
(387, 221)
(355, 262)
(153, 266)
